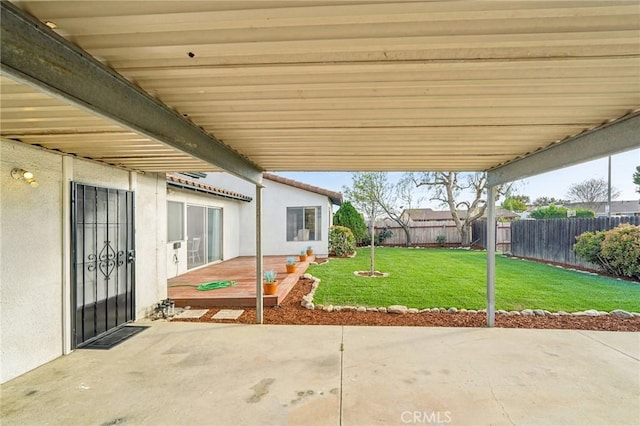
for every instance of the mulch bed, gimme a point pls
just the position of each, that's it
(291, 312)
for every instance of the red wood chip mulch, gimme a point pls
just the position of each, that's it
(291, 312)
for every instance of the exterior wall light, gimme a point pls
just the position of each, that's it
(21, 174)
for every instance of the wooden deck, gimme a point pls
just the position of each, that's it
(182, 289)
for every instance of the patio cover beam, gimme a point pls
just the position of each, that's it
(33, 54)
(622, 135)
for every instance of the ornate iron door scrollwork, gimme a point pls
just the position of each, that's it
(106, 261)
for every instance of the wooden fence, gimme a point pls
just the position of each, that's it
(553, 239)
(503, 235)
(425, 235)
(422, 235)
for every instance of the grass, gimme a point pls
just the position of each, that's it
(457, 278)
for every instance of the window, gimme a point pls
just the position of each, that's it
(303, 223)
(175, 221)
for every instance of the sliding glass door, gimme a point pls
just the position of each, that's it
(195, 236)
(214, 234)
(204, 235)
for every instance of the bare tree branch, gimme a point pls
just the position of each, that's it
(449, 186)
(593, 193)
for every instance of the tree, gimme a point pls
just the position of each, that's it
(636, 179)
(393, 198)
(523, 198)
(593, 193)
(450, 186)
(365, 190)
(547, 201)
(514, 204)
(348, 216)
(404, 194)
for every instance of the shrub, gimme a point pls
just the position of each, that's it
(555, 212)
(621, 248)
(441, 240)
(588, 246)
(341, 241)
(584, 214)
(349, 217)
(616, 250)
(381, 235)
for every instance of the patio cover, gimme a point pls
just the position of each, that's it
(513, 88)
(326, 85)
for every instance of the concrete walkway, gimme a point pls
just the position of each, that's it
(219, 374)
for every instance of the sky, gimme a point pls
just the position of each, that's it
(551, 184)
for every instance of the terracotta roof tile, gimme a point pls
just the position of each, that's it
(182, 182)
(335, 197)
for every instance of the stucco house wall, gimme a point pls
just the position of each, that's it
(30, 261)
(35, 309)
(276, 197)
(230, 228)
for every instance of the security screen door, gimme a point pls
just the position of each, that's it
(103, 260)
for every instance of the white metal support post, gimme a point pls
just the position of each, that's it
(491, 256)
(259, 260)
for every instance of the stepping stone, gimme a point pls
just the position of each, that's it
(192, 313)
(229, 314)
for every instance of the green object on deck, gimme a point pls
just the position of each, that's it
(215, 285)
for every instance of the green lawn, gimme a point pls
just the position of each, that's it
(429, 278)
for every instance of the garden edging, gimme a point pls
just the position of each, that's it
(307, 302)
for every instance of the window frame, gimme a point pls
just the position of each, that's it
(317, 231)
(170, 238)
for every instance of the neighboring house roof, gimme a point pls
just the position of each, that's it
(184, 183)
(385, 223)
(335, 197)
(629, 207)
(428, 215)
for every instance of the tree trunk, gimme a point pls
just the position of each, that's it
(373, 237)
(465, 236)
(407, 233)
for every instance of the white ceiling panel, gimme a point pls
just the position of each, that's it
(345, 85)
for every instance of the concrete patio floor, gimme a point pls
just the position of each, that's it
(232, 374)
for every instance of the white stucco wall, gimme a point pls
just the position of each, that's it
(30, 260)
(276, 197)
(230, 228)
(32, 263)
(151, 240)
